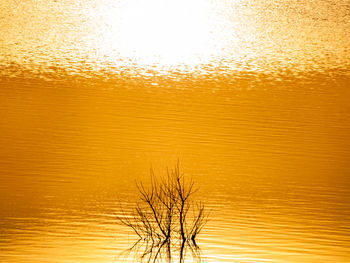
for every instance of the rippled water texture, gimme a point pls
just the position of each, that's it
(251, 96)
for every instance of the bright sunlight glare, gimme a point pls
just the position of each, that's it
(164, 32)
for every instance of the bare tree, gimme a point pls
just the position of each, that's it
(166, 220)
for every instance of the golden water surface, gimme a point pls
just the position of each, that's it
(252, 97)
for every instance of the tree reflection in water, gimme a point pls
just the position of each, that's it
(166, 220)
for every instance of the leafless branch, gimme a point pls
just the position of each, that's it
(166, 219)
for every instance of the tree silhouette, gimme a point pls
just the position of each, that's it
(166, 219)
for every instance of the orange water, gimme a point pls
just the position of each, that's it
(262, 126)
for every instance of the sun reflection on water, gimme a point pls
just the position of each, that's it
(161, 32)
(181, 36)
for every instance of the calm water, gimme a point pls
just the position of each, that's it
(256, 105)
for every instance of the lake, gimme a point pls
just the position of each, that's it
(252, 97)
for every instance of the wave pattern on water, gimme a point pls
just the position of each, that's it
(258, 115)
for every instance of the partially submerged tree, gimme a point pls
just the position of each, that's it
(167, 220)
